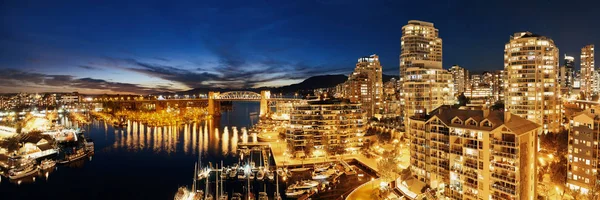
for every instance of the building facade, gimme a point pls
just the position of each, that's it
(426, 87)
(566, 75)
(583, 151)
(460, 77)
(365, 85)
(475, 154)
(420, 41)
(531, 63)
(499, 81)
(588, 87)
(325, 126)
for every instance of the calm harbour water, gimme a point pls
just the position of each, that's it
(139, 162)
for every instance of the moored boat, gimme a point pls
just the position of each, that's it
(295, 193)
(80, 153)
(308, 184)
(47, 164)
(260, 175)
(22, 171)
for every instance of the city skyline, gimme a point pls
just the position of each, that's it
(129, 48)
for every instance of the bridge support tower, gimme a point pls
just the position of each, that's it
(265, 95)
(214, 106)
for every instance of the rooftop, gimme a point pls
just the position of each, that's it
(447, 113)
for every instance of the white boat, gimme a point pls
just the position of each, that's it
(323, 175)
(308, 184)
(232, 173)
(322, 167)
(262, 196)
(260, 175)
(22, 171)
(303, 169)
(47, 164)
(293, 193)
(236, 196)
(203, 174)
(241, 174)
(270, 175)
(224, 173)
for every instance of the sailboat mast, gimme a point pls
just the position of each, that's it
(195, 176)
(217, 183)
(221, 178)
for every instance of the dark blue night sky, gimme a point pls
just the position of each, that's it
(145, 46)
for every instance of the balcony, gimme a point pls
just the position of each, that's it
(470, 145)
(470, 173)
(471, 185)
(505, 177)
(505, 165)
(503, 143)
(471, 194)
(504, 189)
(505, 155)
(457, 151)
(471, 165)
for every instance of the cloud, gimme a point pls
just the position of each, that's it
(88, 67)
(14, 78)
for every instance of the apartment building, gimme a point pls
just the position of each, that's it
(533, 92)
(325, 125)
(583, 150)
(474, 154)
(365, 85)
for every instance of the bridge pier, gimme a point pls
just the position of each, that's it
(265, 95)
(214, 105)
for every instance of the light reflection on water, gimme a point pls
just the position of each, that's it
(155, 160)
(193, 138)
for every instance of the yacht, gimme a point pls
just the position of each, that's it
(323, 175)
(262, 196)
(308, 184)
(224, 173)
(241, 174)
(236, 196)
(260, 175)
(47, 164)
(232, 173)
(22, 171)
(251, 176)
(79, 154)
(295, 193)
(322, 167)
(270, 175)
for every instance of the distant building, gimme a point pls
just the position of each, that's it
(460, 77)
(566, 76)
(531, 63)
(318, 127)
(365, 85)
(474, 154)
(479, 91)
(499, 85)
(588, 87)
(70, 98)
(583, 154)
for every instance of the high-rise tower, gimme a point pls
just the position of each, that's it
(531, 63)
(420, 41)
(587, 71)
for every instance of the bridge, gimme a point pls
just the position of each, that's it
(212, 101)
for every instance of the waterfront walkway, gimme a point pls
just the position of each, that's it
(369, 191)
(281, 160)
